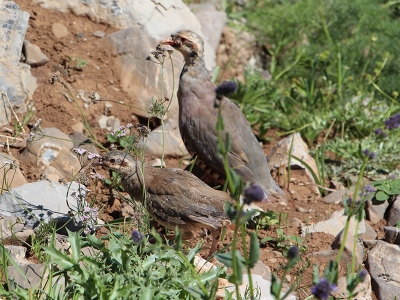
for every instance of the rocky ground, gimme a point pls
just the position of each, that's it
(73, 47)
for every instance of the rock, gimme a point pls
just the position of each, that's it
(52, 150)
(375, 210)
(334, 225)
(236, 49)
(9, 225)
(212, 22)
(13, 173)
(348, 248)
(157, 19)
(392, 235)
(383, 263)
(278, 157)
(59, 30)
(52, 174)
(394, 212)
(157, 163)
(32, 275)
(173, 142)
(369, 234)
(261, 270)
(296, 223)
(363, 290)
(42, 200)
(140, 78)
(336, 197)
(78, 127)
(261, 280)
(111, 123)
(99, 33)
(33, 55)
(83, 142)
(25, 234)
(16, 81)
(18, 254)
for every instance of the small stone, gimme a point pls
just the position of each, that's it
(33, 55)
(301, 209)
(99, 33)
(157, 163)
(296, 223)
(59, 30)
(394, 212)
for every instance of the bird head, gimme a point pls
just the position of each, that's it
(120, 161)
(186, 42)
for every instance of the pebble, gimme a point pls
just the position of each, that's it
(99, 33)
(59, 30)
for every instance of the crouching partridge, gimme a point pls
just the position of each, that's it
(174, 197)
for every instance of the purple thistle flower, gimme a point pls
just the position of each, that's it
(254, 193)
(378, 131)
(293, 252)
(367, 190)
(393, 122)
(323, 289)
(137, 237)
(362, 275)
(225, 88)
(371, 155)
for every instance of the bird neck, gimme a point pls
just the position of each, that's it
(195, 66)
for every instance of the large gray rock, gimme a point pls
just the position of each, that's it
(39, 201)
(141, 79)
(349, 247)
(32, 275)
(158, 19)
(16, 80)
(383, 265)
(212, 21)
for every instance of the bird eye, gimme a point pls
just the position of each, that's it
(112, 160)
(183, 40)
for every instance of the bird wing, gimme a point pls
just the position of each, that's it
(178, 196)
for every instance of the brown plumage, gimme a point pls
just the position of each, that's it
(174, 197)
(198, 117)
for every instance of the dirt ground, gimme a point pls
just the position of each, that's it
(98, 75)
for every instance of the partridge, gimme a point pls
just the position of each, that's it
(199, 102)
(173, 197)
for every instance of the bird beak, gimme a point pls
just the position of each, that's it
(167, 41)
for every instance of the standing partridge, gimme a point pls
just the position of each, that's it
(174, 197)
(198, 115)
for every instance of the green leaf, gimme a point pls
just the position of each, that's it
(275, 286)
(59, 258)
(381, 196)
(254, 254)
(75, 241)
(267, 239)
(395, 184)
